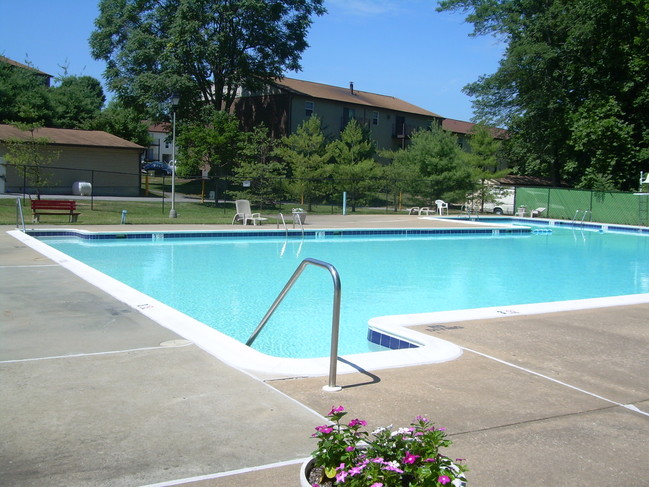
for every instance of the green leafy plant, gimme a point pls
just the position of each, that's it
(348, 455)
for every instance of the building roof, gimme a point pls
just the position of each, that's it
(21, 65)
(163, 128)
(517, 180)
(351, 96)
(87, 138)
(464, 128)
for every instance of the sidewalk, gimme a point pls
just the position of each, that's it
(94, 393)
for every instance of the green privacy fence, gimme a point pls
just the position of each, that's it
(597, 206)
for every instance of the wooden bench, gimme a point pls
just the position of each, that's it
(54, 207)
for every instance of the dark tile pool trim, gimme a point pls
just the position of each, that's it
(388, 341)
(275, 233)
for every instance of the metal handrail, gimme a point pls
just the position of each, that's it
(19, 215)
(299, 220)
(281, 215)
(583, 217)
(335, 320)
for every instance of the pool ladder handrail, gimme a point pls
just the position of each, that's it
(295, 216)
(281, 216)
(583, 217)
(335, 320)
(20, 219)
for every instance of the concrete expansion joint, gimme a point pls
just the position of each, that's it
(533, 421)
(94, 354)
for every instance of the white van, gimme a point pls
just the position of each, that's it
(501, 201)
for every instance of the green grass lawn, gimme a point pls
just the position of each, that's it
(110, 212)
(101, 212)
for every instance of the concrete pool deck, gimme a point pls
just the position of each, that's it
(95, 393)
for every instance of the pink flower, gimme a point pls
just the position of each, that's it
(377, 484)
(357, 422)
(392, 467)
(350, 448)
(410, 458)
(324, 429)
(341, 476)
(334, 410)
(443, 479)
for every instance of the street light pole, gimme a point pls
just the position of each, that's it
(175, 99)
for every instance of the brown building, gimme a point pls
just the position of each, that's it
(283, 106)
(110, 164)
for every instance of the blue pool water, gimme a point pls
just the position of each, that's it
(229, 283)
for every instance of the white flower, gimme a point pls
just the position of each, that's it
(381, 428)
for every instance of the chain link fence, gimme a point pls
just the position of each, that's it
(584, 205)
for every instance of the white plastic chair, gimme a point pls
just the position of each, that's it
(424, 210)
(440, 206)
(245, 214)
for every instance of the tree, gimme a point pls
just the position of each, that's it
(482, 157)
(24, 96)
(255, 162)
(305, 152)
(212, 142)
(563, 61)
(76, 101)
(33, 154)
(402, 174)
(440, 161)
(206, 50)
(121, 121)
(354, 165)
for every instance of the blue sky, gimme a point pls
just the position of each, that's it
(401, 48)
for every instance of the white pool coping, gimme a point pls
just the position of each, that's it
(236, 354)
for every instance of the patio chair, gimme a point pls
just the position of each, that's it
(536, 212)
(424, 210)
(244, 214)
(440, 206)
(413, 211)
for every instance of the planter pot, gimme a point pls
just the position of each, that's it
(304, 470)
(307, 465)
(301, 214)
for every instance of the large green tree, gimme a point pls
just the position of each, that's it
(211, 143)
(441, 163)
(122, 121)
(76, 101)
(205, 49)
(257, 164)
(483, 158)
(570, 70)
(24, 96)
(305, 153)
(355, 168)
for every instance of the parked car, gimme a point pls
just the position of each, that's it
(159, 168)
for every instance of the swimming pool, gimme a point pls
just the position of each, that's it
(228, 282)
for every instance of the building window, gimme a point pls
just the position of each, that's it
(308, 108)
(375, 118)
